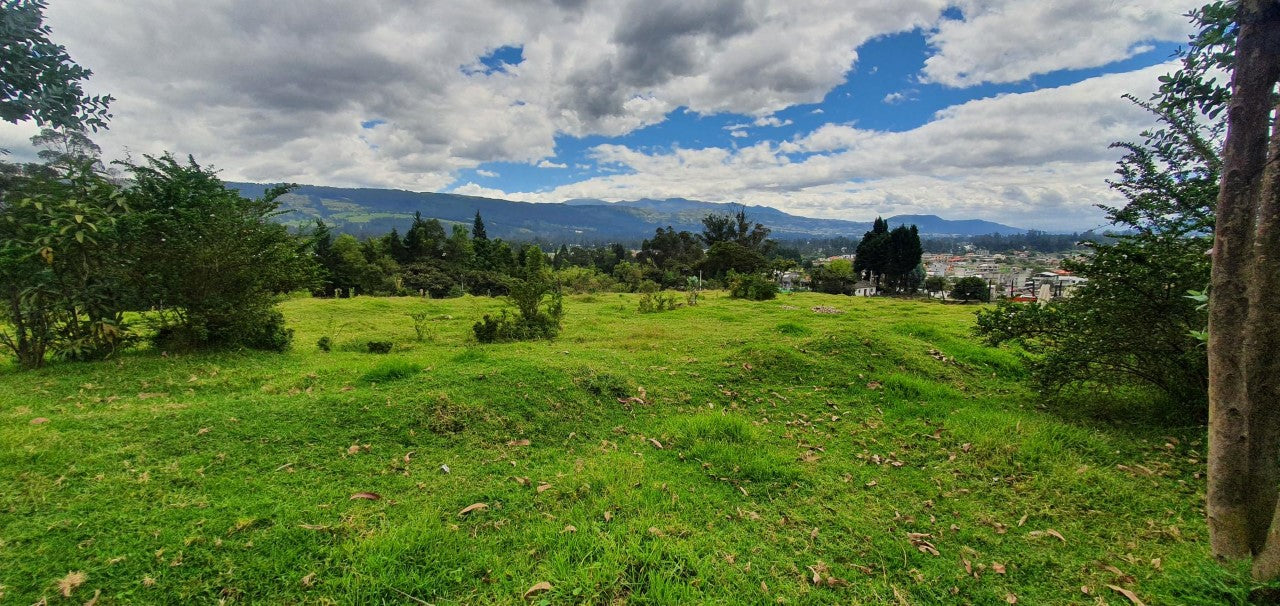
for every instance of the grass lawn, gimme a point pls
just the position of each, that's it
(733, 452)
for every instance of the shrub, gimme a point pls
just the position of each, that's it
(971, 289)
(419, 324)
(391, 370)
(506, 328)
(210, 259)
(538, 300)
(430, 278)
(657, 301)
(325, 344)
(753, 287)
(378, 347)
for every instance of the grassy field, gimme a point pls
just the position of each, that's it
(734, 452)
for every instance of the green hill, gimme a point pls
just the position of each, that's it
(377, 211)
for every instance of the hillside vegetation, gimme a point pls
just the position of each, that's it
(744, 452)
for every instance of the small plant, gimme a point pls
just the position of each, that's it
(753, 287)
(378, 347)
(693, 290)
(420, 319)
(325, 344)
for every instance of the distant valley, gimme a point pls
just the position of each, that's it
(362, 212)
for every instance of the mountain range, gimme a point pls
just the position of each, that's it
(367, 212)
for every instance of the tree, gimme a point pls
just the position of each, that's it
(1132, 323)
(477, 228)
(38, 80)
(737, 228)
(871, 259)
(208, 260)
(59, 277)
(971, 289)
(1244, 321)
(933, 284)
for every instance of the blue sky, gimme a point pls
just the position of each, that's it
(883, 92)
(992, 109)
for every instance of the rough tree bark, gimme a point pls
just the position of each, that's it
(1244, 318)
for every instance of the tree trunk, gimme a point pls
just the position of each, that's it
(1244, 322)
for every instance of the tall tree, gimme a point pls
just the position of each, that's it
(477, 228)
(1244, 321)
(38, 80)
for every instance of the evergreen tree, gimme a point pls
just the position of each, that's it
(396, 247)
(477, 228)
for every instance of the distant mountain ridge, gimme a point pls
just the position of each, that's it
(367, 211)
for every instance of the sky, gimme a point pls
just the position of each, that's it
(848, 109)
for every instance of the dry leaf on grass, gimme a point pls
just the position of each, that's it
(543, 487)
(1010, 598)
(309, 580)
(608, 516)
(524, 442)
(69, 583)
(569, 528)
(93, 601)
(521, 481)
(1133, 597)
(537, 589)
(1035, 534)
(656, 443)
(473, 507)
(997, 568)
(368, 496)
(39, 421)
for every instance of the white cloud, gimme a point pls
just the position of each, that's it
(1038, 159)
(894, 98)
(738, 133)
(1010, 40)
(550, 164)
(771, 121)
(487, 173)
(278, 91)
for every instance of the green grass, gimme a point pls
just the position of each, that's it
(789, 440)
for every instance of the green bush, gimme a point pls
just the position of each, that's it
(391, 370)
(378, 347)
(325, 344)
(753, 287)
(651, 302)
(506, 328)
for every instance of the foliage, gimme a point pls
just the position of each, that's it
(324, 344)
(934, 284)
(657, 300)
(889, 256)
(584, 280)
(209, 262)
(836, 277)
(430, 278)
(420, 319)
(391, 370)
(378, 347)
(59, 273)
(971, 288)
(38, 80)
(1132, 323)
(538, 300)
(753, 287)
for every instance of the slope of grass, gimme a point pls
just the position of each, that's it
(734, 452)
